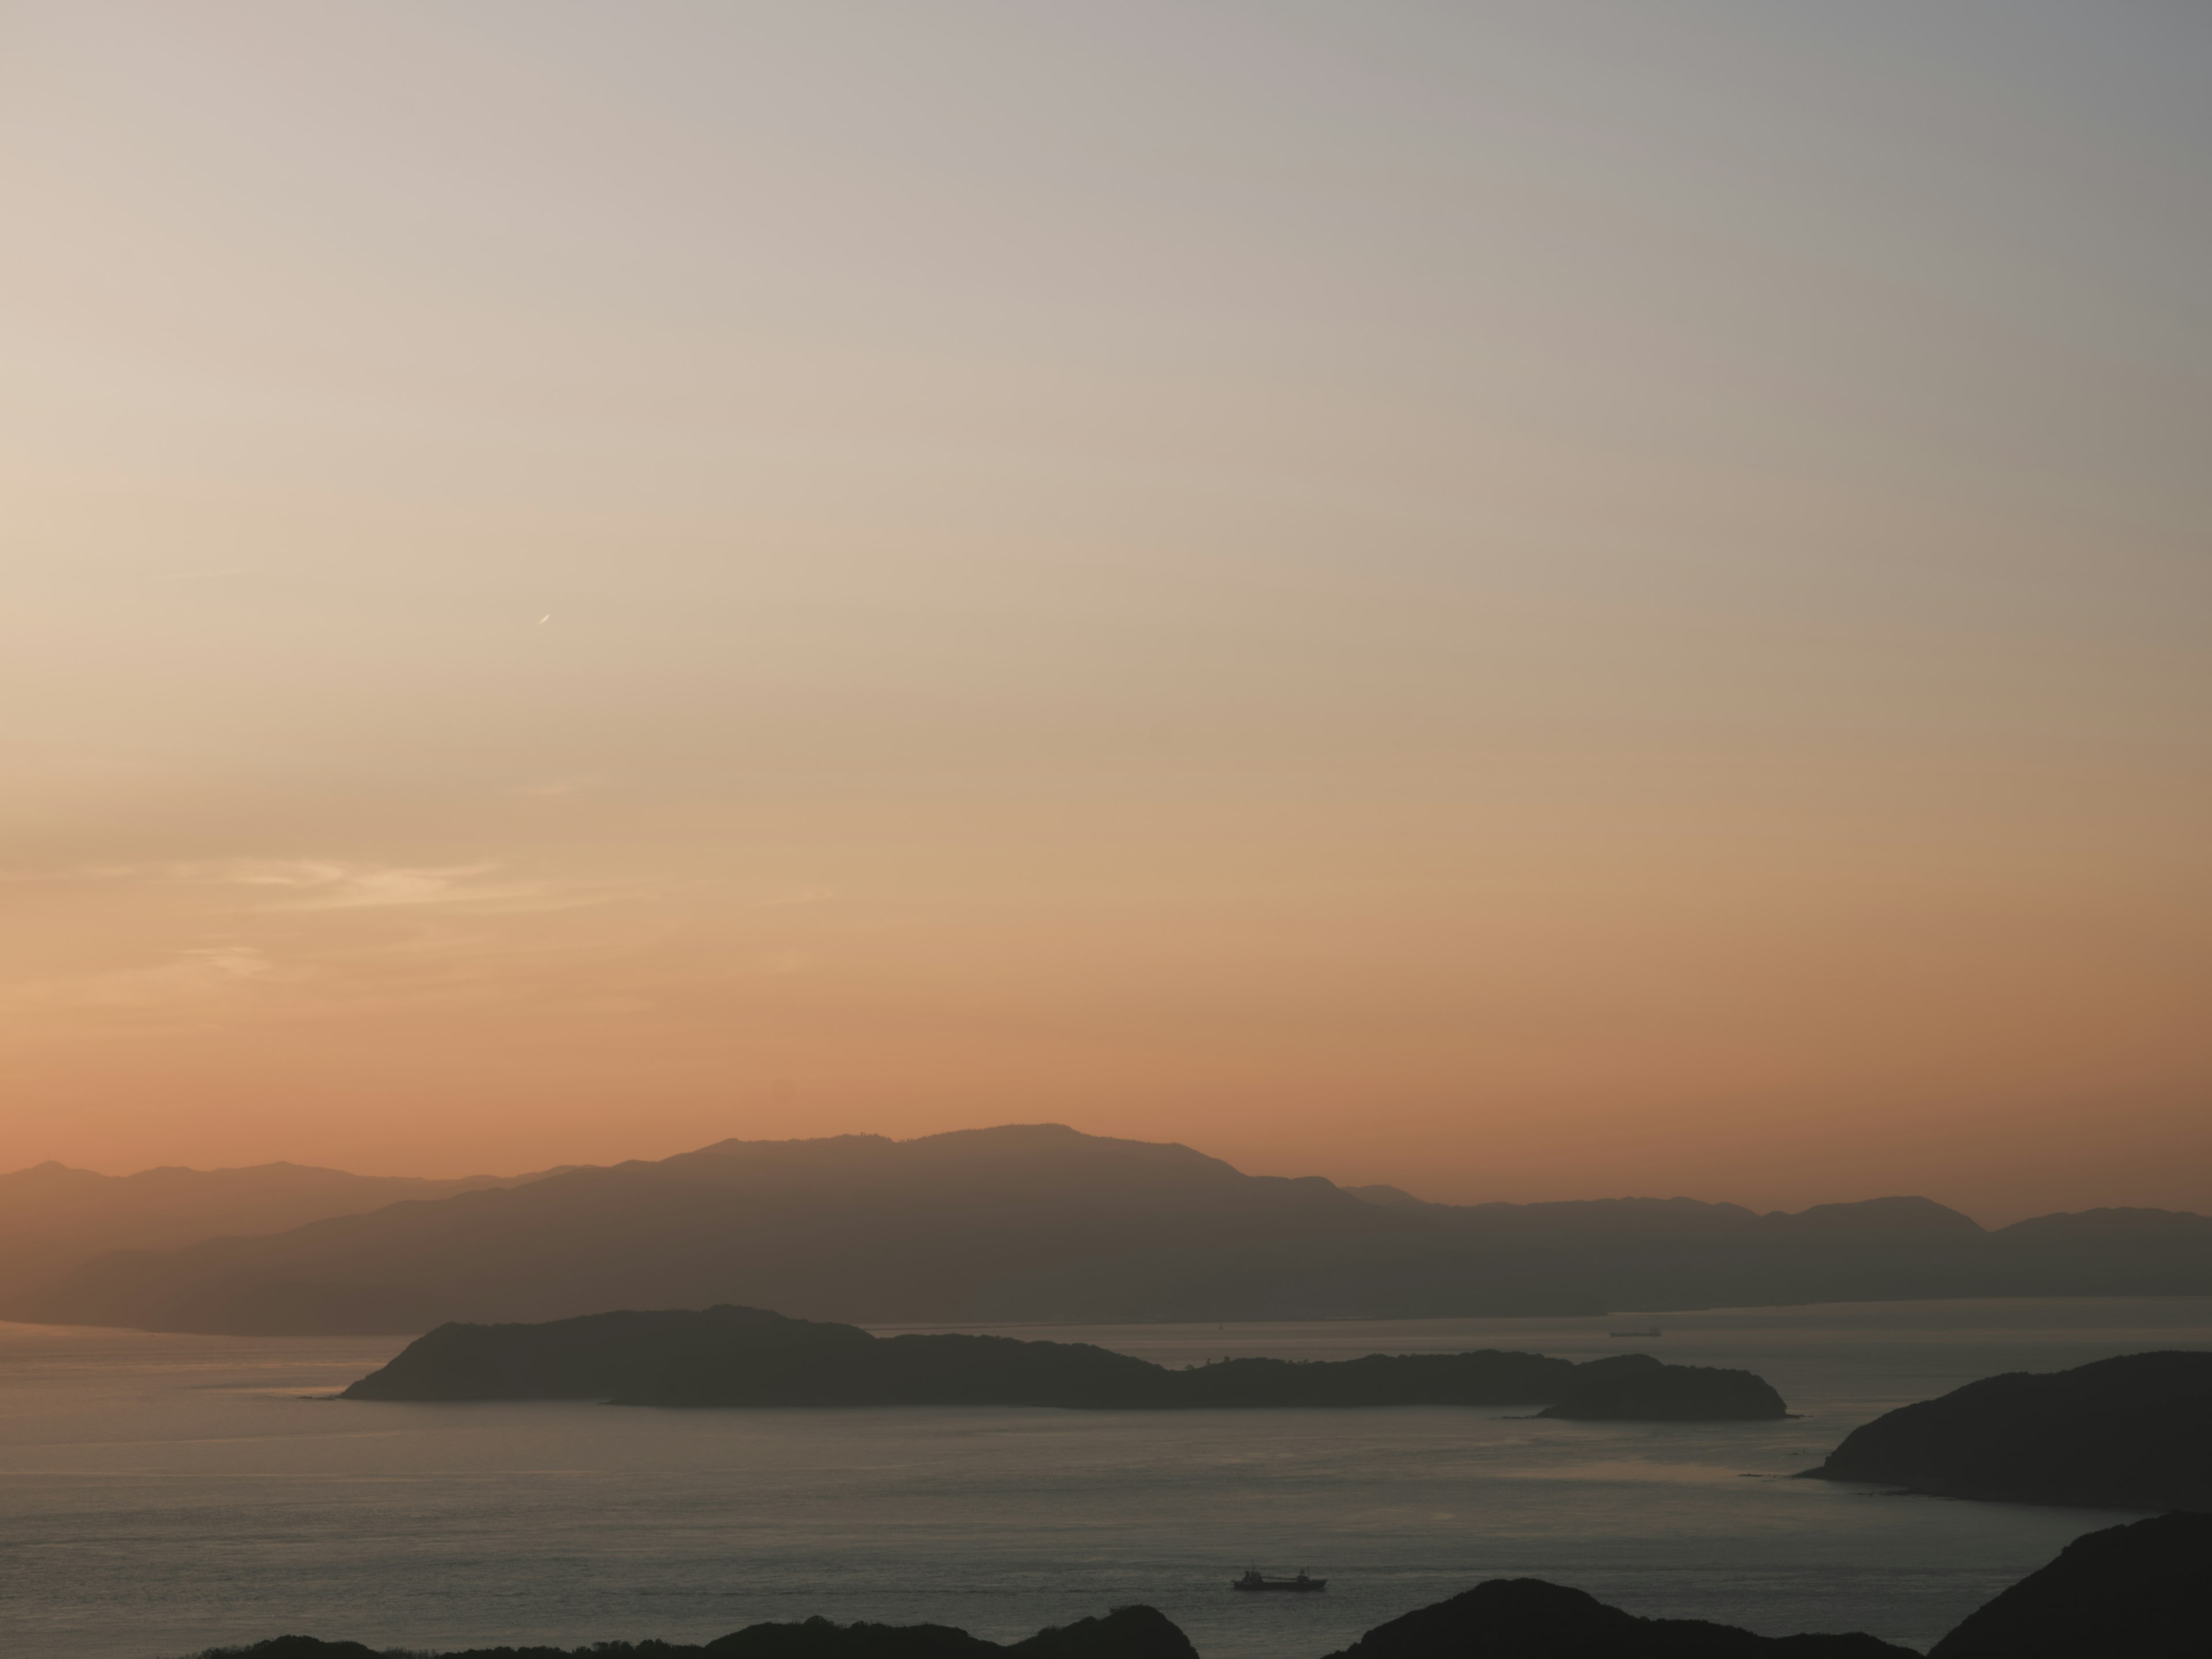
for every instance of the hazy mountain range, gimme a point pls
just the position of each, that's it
(53, 1217)
(1039, 1222)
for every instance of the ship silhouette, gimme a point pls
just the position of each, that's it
(1255, 1580)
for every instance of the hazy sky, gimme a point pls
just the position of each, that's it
(1527, 599)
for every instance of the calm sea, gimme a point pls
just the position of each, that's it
(159, 1494)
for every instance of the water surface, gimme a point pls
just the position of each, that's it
(162, 1493)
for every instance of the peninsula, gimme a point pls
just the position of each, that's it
(2134, 1432)
(727, 1356)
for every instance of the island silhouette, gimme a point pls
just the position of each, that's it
(733, 1357)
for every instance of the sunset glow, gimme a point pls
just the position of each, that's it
(579, 581)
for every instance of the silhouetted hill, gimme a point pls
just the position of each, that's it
(1529, 1619)
(56, 1216)
(2134, 1432)
(2144, 1591)
(1038, 1222)
(1124, 1633)
(746, 1357)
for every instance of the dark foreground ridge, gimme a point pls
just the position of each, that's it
(2131, 1592)
(746, 1357)
(2134, 1432)
(1124, 1633)
(1529, 1619)
(2144, 1591)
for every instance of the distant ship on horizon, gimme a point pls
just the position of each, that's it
(1254, 1579)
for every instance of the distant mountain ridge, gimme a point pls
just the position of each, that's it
(173, 1205)
(1038, 1222)
(52, 1216)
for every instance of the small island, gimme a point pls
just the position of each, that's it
(2134, 1432)
(1636, 1388)
(746, 1357)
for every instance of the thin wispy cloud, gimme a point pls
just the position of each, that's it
(315, 884)
(293, 885)
(334, 884)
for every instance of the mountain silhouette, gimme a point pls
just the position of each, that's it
(976, 1225)
(56, 1216)
(2134, 1432)
(1039, 1223)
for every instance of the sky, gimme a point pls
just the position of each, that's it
(1529, 600)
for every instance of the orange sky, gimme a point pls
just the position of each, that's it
(1515, 600)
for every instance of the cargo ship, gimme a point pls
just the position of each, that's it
(1255, 1580)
